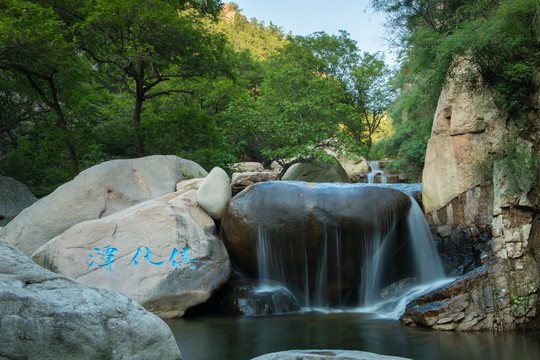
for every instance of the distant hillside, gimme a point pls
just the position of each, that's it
(253, 35)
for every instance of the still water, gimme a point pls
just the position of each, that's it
(243, 338)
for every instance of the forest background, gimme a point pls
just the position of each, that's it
(82, 82)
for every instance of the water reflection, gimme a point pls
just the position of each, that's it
(243, 338)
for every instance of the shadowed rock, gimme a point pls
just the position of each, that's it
(306, 227)
(48, 316)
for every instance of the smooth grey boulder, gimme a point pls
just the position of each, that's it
(325, 355)
(48, 316)
(214, 192)
(315, 235)
(14, 197)
(318, 172)
(163, 253)
(97, 192)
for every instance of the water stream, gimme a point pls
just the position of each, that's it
(243, 338)
(426, 270)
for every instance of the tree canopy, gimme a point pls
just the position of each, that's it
(85, 81)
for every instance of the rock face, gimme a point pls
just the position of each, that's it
(214, 192)
(465, 304)
(97, 192)
(163, 253)
(316, 172)
(14, 197)
(476, 218)
(240, 181)
(325, 354)
(305, 225)
(48, 316)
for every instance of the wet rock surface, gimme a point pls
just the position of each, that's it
(306, 225)
(249, 297)
(466, 304)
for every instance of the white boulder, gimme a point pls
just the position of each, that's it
(97, 192)
(215, 192)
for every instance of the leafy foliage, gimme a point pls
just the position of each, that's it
(500, 37)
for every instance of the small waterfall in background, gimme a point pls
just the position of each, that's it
(373, 293)
(375, 170)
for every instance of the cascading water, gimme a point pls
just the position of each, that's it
(377, 262)
(375, 170)
(428, 270)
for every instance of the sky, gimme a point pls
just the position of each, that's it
(304, 17)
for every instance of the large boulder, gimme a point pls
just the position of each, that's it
(164, 254)
(49, 316)
(304, 231)
(214, 192)
(319, 172)
(14, 197)
(97, 192)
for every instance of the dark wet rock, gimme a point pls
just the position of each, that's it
(307, 226)
(48, 316)
(317, 172)
(248, 297)
(465, 304)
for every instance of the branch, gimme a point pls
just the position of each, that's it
(167, 92)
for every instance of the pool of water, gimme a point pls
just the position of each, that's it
(243, 338)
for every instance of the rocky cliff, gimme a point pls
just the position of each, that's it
(483, 207)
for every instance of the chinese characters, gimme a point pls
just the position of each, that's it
(106, 257)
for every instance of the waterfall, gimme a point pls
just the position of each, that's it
(272, 271)
(428, 271)
(375, 170)
(407, 241)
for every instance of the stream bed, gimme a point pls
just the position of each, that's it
(243, 338)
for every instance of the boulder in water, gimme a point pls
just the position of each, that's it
(49, 316)
(250, 297)
(315, 236)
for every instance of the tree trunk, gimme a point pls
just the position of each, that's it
(67, 139)
(139, 148)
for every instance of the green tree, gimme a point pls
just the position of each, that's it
(499, 37)
(371, 95)
(296, 115)
(35, 50)
(365, 77)
(150, 43)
